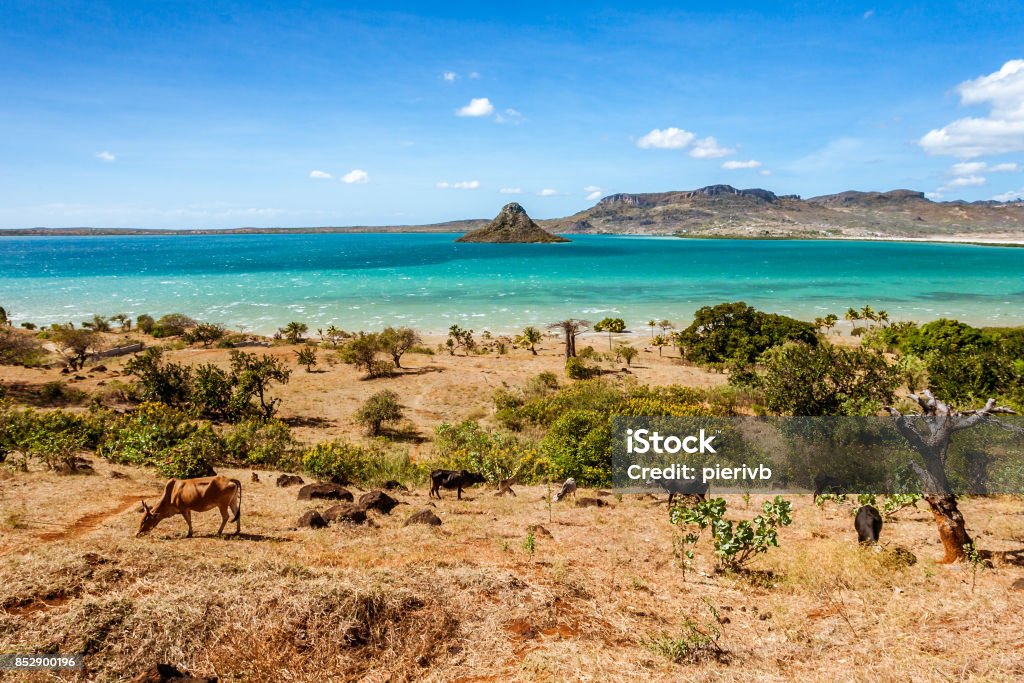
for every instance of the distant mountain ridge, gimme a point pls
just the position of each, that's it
(724, 211)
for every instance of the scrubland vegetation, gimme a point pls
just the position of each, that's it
(740, 587)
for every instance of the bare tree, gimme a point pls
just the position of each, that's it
(929, 433)
(570, 328)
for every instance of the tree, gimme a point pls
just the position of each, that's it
(5, 320)
(529, 338)
(167, 383)
(611, 326)
(18, 348)
(570, 328)
(826, 323)
(652, 324)
(123, 321)
(75, 345)
(172, 325)
(397, 341)
(798, 379)
(361, 351)
(659, 342)
(145, 322)
(293, 332)
(97, 324)
(929, 433)
(380, 408)
(306, 356)
(459, 338)
(665, 326)
(254, 375)
(334, 335)
(205, 334)
(626, 353)
(738, 333)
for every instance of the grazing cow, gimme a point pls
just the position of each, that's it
(568, 487)
(453, 479)
(185, 496)
(868, 524)
(824, 483)
(688, 488)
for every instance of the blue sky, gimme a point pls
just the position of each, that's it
(214, 114)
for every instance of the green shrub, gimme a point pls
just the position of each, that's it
(192, 457)
(736, 332)
(336, 458)
(145, 435)
(496, 455)
(262, 442)
(381, 407)
(172, 325)
(577, 369)
(579, 445)
(736, 544)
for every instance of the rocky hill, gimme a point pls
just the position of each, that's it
(511, 225)
(725, 211)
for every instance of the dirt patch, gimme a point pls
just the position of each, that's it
(89, 522)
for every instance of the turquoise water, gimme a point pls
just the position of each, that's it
(366, 281)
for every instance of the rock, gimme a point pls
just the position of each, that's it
(161, 673)
(511, 225)
(322, 491)
(345, 512)
(897, 557)
(377, 500)
(538, 530)
(340, 481)
(98, 368)
(114, 474)
(591, 503)
(311, 519)
(423, 517)
(392, 485)
(289, 480)
(255, 478)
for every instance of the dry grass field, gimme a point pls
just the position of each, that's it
(600, 596)
(468, 601)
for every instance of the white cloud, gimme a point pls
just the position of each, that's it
(975, 167)
(474, 75)
(593, 192)
(1012, 195)
(511, 190)
(1000, 132)
(450, 76)
(870, 13)
(105, 156)
(547, 192)
(460, 185)
(594, 195)
(765, 171)
(478, 106)
(708, 148)
(509, 116)
(669, 138)
(1003, 168)
(320, 175)
(356, 175)
(934, 196)
(965, 181)
(591, 188)
(735, 165)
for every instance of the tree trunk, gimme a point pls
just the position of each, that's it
(951, 526)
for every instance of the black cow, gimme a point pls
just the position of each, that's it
(453, 479)
(683, 487)
(868, 524)
(824, 483)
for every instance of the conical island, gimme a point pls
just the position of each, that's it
(512, 225)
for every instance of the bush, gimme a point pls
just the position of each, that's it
(496, 455)
(145, 322)
(577, 369)
(150, 434)
(20, 348)
(379, 408)
(735, 544)
(204, 333)
(579, 445)
(336, 458)
(192, 457)
(738, 333)
(171, 325)
(262, 442)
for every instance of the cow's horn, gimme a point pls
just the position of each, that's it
(145, 506)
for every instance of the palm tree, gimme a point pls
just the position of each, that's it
(660, 342)
(570, 328)
(529, 338)
(293, 331)
(883, 317)
(665, 326)
(867, 313)
(652, 324)
(611, 326)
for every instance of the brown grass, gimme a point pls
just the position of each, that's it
(466, 601)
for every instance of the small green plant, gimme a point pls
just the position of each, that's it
(530, 544)
(306, 357)
(746, 500)
(895, 502)
(975, 562)
(736, 544)
(696, 642)
(837, 498)
(382, 407)
(867, 499)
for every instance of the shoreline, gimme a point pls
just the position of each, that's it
(981, 239)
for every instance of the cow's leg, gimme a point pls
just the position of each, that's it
(223, 519)
(188, 520)
(671, 495)
(460, 491)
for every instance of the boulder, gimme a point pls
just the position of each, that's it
(1017, 585)
(345, 512)
(423, 517)
(377, 500)
(591, 503)
(311, 519)
(538, 530)
(392, 485)
(289, 480)
(322, 491)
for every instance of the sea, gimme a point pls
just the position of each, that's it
(365, 281)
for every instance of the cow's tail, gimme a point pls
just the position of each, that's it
(238, 513)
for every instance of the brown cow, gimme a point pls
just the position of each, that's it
(185, 496)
